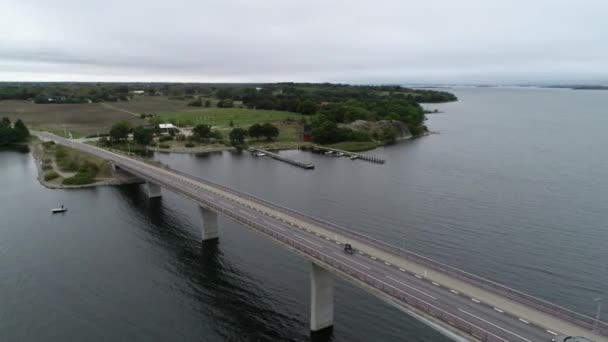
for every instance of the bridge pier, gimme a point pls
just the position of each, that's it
(209, 226)
(321, 300)
(153, 190)
(113, 167)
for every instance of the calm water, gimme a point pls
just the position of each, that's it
(513, 188)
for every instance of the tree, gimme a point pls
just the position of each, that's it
(255, 131)
(231, 124)
(224, 93)
(6, 122)
(270, 131)
(237, 136)
(7, 136)
(226, 103)
(196, 103)
(201, 132)
(307, 107)
(142, 135)
(21, 130)
(207, 104)
(120, 131)
(325, 131)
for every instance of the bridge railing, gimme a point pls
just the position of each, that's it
(396, 294)
(537, 303)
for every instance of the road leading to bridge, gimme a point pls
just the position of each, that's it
(442, 301)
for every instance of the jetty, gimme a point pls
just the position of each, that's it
(351, 155)
(284, 159)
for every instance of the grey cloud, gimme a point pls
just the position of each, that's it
(349, 41)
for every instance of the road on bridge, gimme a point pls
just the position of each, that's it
(496, 323)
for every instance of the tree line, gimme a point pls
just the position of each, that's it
(12, 134)
(119, 133)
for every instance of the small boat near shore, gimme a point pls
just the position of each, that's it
(59, 210)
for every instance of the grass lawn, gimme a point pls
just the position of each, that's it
(221, 117)
(354, 146)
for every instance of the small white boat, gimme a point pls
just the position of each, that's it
(59, 210)
(260, 154)
(339, 154)
(329, 153)
(353, 157)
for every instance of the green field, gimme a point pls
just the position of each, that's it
(221, 117)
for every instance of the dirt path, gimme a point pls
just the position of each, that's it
(109, 106)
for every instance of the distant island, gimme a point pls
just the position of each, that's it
(199, 117)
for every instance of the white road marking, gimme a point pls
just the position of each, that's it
(475, 300)
(338, 243)
(360, 252)
(318, 234)
(454, 291)
(246, 213)
(413, 288)
(402, 270)
(349, 259)
(498, 310)
(552, 333)
(417, 276)
(298, 236)
(328, 239)
(494, 325)
(274, 226)
(523, 320)
(308, 230)
(434, 283)
(387, 263)
(374, 258)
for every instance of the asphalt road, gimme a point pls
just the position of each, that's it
(493, 320)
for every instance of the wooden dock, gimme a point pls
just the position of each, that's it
(285, 159)
(366, 157)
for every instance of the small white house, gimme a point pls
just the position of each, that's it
(166, 126)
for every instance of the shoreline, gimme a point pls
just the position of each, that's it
(35, 150)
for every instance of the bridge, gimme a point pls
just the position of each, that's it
(461, 305)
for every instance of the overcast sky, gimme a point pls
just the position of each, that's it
(355, 41)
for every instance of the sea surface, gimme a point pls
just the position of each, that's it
(513, 187)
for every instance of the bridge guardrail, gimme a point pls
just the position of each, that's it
(392, 291)
(537, 303)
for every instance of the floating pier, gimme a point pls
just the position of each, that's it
(351, 155)
(285, 159)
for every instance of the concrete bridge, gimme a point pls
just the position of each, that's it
(458, 304)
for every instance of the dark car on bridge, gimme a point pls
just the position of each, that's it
(562, 338)
(348, 248)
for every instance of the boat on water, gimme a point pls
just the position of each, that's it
(260, 154)
(353, 157)
(339, 154)
(59, 210)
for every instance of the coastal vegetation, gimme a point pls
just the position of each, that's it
(62, 165)
(325, 113)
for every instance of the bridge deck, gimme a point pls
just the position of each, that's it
(437, 296)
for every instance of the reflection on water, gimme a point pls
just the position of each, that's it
(238, 306)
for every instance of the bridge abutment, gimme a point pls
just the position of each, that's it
(209, 226)
(321, 299)
(153, 190)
